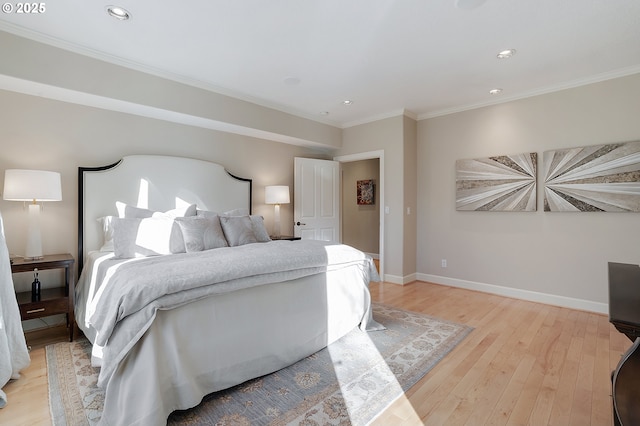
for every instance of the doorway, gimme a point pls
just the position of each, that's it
(356, 166)
(361, 205)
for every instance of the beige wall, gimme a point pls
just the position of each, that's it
(360, 224)
(409, 189)
(560, 254)
(384, 135)
(38, 133)
(396, 136)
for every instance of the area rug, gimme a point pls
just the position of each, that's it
(349, 382)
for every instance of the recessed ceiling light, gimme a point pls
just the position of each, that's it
(506, 54)
(118, 13)
(347, 102)
(495, 91)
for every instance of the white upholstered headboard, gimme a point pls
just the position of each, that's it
(155, 182)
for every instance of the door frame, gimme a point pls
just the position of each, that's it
(370, 155)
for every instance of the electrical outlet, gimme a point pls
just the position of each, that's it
(444, 263)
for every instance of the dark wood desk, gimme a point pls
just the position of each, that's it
(624, 298)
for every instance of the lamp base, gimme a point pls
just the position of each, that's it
(276, 222)
(34, 240)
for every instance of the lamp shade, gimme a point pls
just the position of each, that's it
(276, 194)
(30, 185)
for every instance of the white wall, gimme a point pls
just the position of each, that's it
(564, 255)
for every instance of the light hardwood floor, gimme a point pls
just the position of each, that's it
(524, 364)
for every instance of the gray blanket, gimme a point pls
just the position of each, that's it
(127, 301)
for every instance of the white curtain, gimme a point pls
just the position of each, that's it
(14, 355)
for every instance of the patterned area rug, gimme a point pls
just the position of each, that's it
(349, 382)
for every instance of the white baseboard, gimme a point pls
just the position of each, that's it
(533, 296)
(374, 255)
(395, 279)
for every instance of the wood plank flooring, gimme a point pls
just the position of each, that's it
(525, 363)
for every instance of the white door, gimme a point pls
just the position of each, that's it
(316, 207)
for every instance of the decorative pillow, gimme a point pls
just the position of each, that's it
(259, 230)
(201, 232)
(186, 211)
(176, 241)
(142, 237)
(238, 230)
(107, 233)
(131, 212)
(236, 212)
(206, 213)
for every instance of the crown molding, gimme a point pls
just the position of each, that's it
(623, 72)
(391, 114)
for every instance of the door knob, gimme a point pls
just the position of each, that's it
(300, 223)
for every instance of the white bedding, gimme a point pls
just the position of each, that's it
(247, 311)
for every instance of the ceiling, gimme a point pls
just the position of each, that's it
(422, 57)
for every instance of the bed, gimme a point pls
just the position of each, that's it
(173, 320)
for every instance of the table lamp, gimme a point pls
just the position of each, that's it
(32, 186)
(276, 194)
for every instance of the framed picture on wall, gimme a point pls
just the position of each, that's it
(501, 183)
(365, 192)
(598, 178)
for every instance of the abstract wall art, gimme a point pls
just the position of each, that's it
(502, 183)
(365, 192)
(601, 178)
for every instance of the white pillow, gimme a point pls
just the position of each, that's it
(259, 231)
(201, 232)
(131, 212)
(176, 240)
(236, 212)
(238, 230)
(142, 237)
(107, 233)
(186, 211)
(206, 213)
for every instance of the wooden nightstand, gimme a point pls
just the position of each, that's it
(52, 301)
